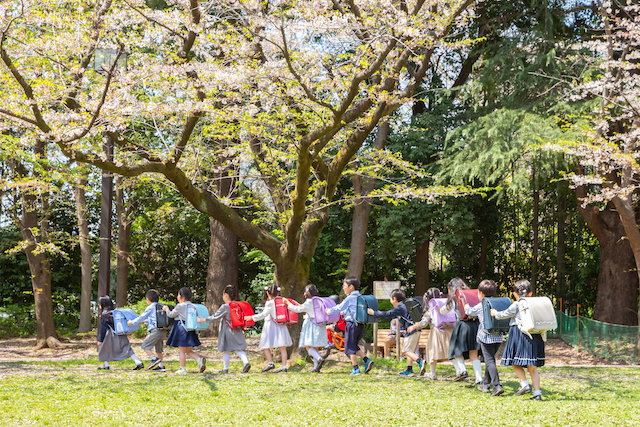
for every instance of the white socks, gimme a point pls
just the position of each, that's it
(314, 354)
(135, 359)
(106, 364)
(458, 363)
(524, 383)
(432, 369)
(477, 369)
(226, 358)
(243, 356)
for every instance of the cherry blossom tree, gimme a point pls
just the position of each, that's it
(286, 92)
(609, 147)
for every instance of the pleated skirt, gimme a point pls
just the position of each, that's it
(520, 350)
(463, 338)
(180, 337)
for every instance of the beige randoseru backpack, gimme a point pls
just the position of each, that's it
(537, 315)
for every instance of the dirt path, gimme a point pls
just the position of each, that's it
(22, 349)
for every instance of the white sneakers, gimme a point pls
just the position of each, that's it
(181, 371)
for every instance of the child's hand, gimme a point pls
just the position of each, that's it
(286, 301)
(410, 328)
(326, 310)
(201, 319)
(370, 311)
(99, 344)
(494, 312)
(248, 318)
(165, 308)
(467, 307)
(129, 322)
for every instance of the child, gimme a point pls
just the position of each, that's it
(463, 343)
(438, 341)
(229, 339)
(353, 331)
(112, 347)
(489, 342)
(180, 337)
(312, 336)
(274, 335)
(411, 338)
(522, 349)
(391, 339)
(155, 336)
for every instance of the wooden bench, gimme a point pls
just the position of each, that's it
(382, 337)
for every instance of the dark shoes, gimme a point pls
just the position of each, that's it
(224, 371)
(497, 390)
(154, 363)
(103, 368)
(138, 367)
(461, 377)
(246, 368)
(320, 363)
(484, 388)
(524, 390)
(537, 397)
(159, 368)
(280, 369)
(269, 367)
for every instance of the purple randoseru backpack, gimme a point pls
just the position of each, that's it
(320, 304)
(441, 321)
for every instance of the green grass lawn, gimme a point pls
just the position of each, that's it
(73, 393)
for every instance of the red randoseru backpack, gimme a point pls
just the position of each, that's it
(240, 309)
(283, 314)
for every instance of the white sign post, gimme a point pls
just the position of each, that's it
(382, 290)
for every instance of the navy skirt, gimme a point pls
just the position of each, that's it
(463, 338)
(180, 337)
(521, 350)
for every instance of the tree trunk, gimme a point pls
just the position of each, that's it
(223, 268)
(40, 268)
(482, 261)
(362, 210)
(617, 293)
(85, 253)
(124, 240)
(422, 268)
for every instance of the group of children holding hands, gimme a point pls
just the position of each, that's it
(467, 339)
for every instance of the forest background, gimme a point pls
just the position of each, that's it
(303, 142)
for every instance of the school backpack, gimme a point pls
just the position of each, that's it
(163, 321)
(283, 314)
(191, 318)
(363, 303)
(238, 310)
(464, 297)
(537, 315)
(319, 305)
(414, 308)
(120, 318)
(441, 321)
(492, 324)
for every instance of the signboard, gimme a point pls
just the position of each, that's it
(382, 290)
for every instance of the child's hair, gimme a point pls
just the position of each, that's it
(352, 281)
(106, 303)
(453, 285)
(311, 291)
(273, 290)
(398, 294)
(153, 295)
(429, 295)
(231, 291)
(185, 293)
(487, 287)
(522, 287)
